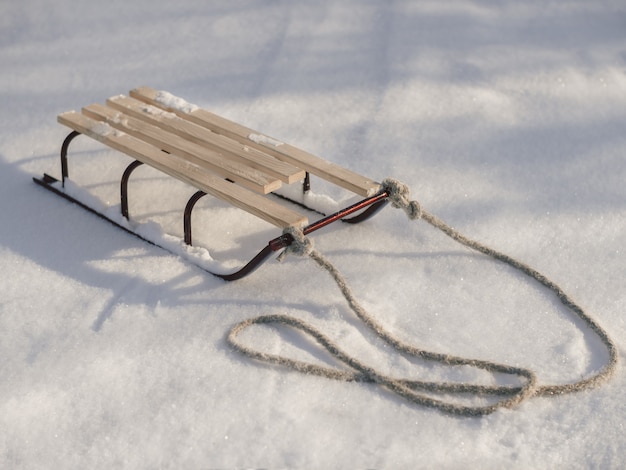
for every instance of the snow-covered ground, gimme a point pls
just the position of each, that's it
(506, 118)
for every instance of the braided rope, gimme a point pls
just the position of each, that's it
(410, 389)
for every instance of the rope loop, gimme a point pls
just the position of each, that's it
(420, 392)
(400, 198)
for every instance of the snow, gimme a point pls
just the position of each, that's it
(265, 140)
(104, 130)
(174, 102)
(154, 111)
(505, 118)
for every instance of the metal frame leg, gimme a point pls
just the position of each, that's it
(187, 215)
(64, 148)
(306, 184)
(124, 186)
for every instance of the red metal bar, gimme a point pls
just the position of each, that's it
(286, 239)
(323, 222)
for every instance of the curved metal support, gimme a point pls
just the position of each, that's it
(368, 213)
(64, 147)
(252, 265)
(124, 186)
(187, 215)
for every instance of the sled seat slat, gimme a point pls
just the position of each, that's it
(231, 149)
(177, 166)
(235, 171)
(331, 172)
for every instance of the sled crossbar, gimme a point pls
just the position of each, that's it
(214, 155)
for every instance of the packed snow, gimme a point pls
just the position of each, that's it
(174, 102)
(264, 140)
(505, 118)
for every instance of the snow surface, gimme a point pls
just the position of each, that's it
(506, 118)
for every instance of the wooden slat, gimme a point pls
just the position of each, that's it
(295, 156)
(172, 143)
(184, 170)
(200, 135)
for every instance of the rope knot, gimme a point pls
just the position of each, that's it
(399, 196)
(300, 246)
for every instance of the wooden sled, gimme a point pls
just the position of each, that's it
(217, 157)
